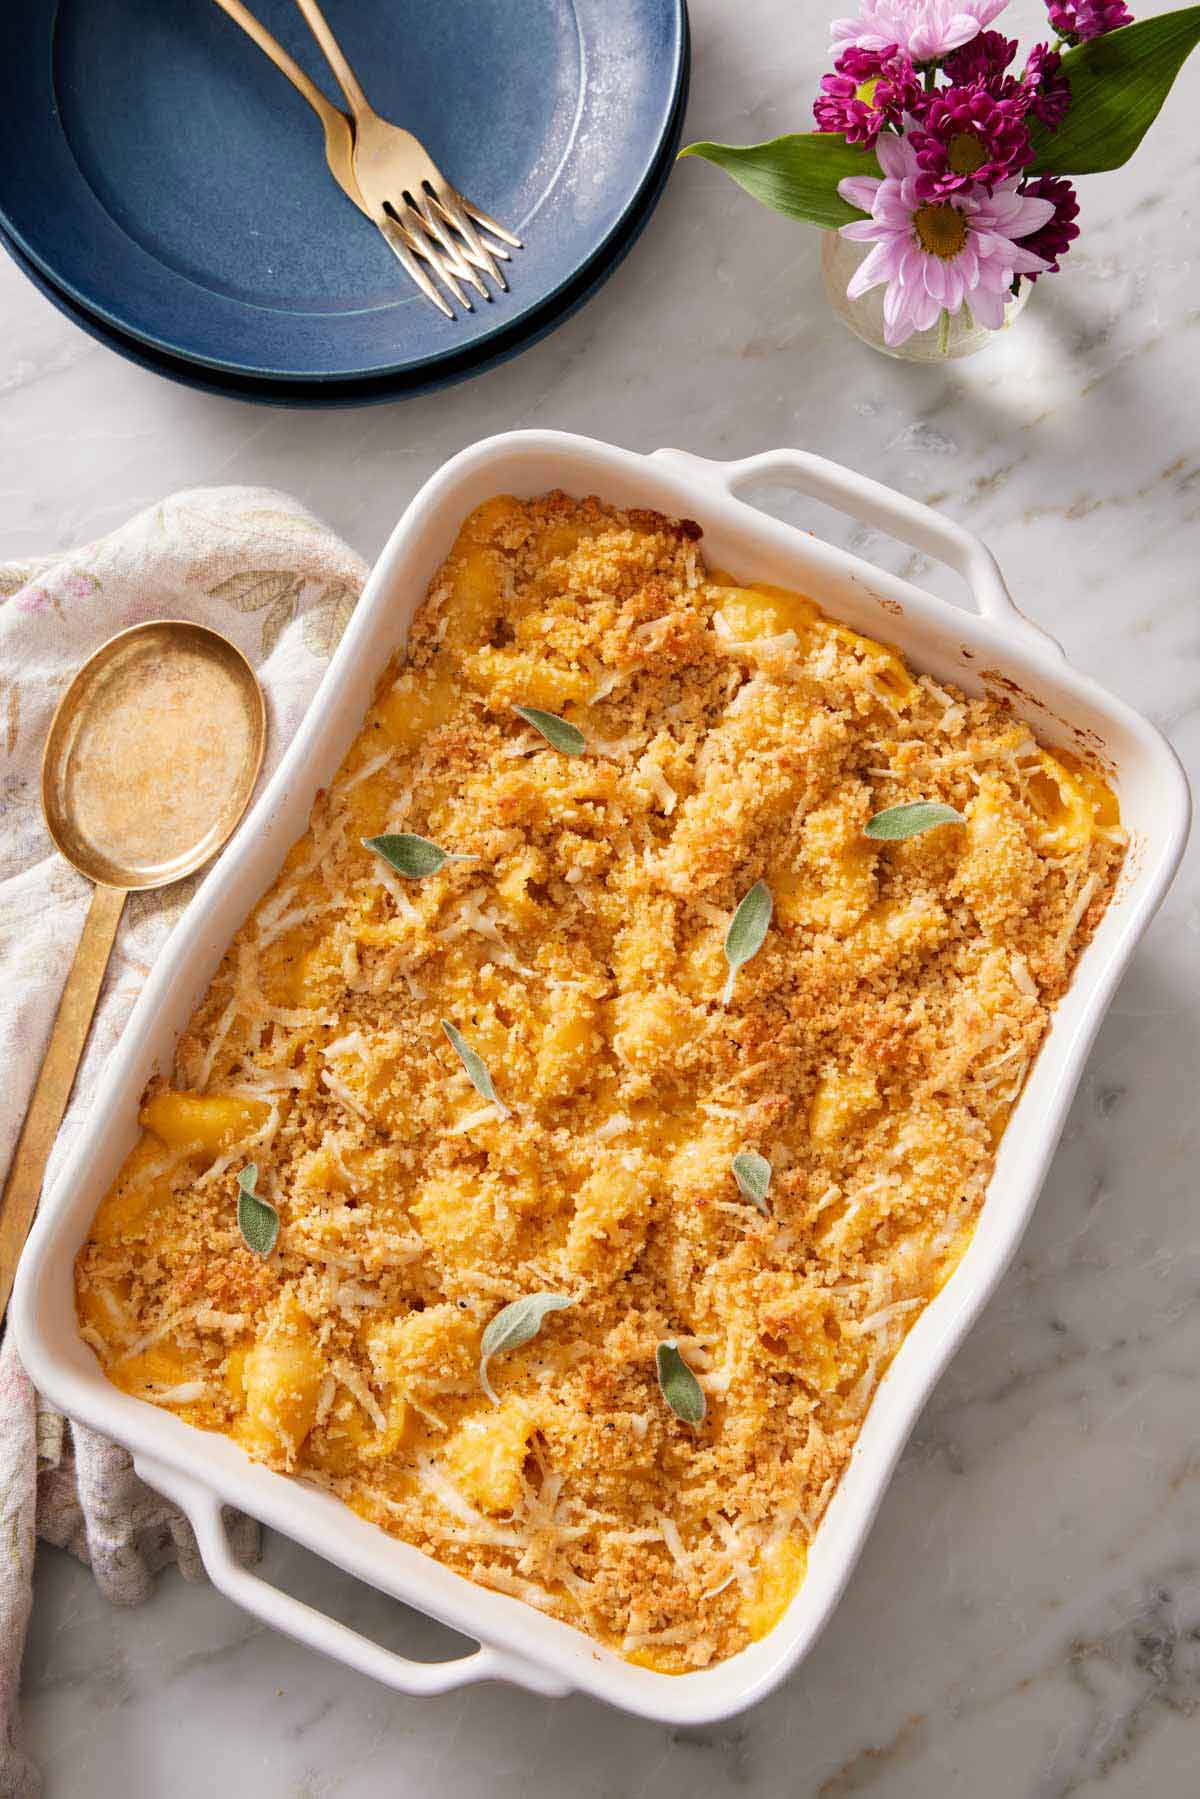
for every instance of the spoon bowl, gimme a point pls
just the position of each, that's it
(152, 755)
(150, 762)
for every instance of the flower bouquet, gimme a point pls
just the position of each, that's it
(950, 157)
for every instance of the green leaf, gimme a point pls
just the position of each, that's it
(516, 1325)
(254, 589)
(476, 1067)
(325, 622)
(796, 175)
(752, 1173)
(277, 620)
(899, 822)
(680, 1388)
(747, 928)
(566, 738)
(1118, 84)
(13, 578)
(411, 856)
(257, 1221)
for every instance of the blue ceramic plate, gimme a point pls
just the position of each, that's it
(166, 180)
(383, 388)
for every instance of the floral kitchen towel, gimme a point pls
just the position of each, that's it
(256, 566)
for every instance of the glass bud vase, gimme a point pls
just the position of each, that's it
(953, 336)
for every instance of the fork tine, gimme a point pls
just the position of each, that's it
(451, 205)
(466, 253)
(495, 249)
(394, 239)
(464, 249)
(489, 223)
(484, 256)
(454, 255)
(421, 243)
(491, 249)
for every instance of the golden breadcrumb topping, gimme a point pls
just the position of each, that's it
(871, 1050)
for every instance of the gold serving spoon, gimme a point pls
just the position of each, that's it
(150, 762)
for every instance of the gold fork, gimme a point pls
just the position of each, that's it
(339, 154)
(399, 179)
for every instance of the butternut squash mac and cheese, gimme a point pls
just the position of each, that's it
(871, 1050)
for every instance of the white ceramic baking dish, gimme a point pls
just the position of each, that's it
(996, 646)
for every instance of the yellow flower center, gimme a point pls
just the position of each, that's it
(941, 230)
(965, 153)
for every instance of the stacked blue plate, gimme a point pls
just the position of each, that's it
(167, 189)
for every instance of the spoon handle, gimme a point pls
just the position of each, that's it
(55, 1080)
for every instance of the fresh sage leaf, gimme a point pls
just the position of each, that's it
(476, 1067)
(517, 1324)
(1118, 84)
(566, 738)
(747, 928)
(796, 175)
(752, 1173)
(257, 1220)
(411, 856)
(898, 822)
(680, 1388)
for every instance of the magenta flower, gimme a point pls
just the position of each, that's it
(1079, 20)
(1042, 90)
(967, 136)
(1052, 240)
(871, 89)
(941, 254)
(1049, 91)
(925, 29)
(985, 59)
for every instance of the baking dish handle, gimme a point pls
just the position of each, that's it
(307, 1625)
(884, 509)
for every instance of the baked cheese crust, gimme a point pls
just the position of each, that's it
(872, 1050)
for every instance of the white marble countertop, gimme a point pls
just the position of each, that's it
(1026, 1618)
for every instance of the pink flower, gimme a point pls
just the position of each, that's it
(937, 255)
(871, 89)
(968, 136)
(925, 29)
